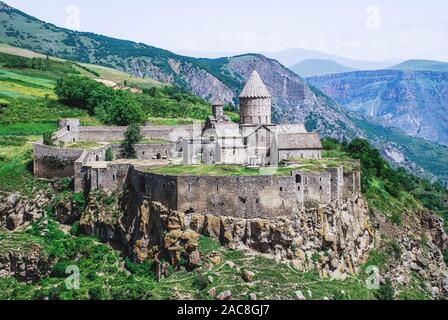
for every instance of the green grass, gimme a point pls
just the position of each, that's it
(15, 166)
(305, 165)
(171, 121)
(84, 145)
(145, 141)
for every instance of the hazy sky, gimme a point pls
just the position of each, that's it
(373, 30)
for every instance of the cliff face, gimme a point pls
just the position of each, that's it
(337, 241)
(414, 102)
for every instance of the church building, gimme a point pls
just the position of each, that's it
(255, 141)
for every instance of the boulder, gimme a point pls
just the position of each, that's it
(248, 276)
(224, 296)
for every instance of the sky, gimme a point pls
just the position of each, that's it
(357, 29)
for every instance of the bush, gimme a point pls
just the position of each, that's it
(386, 291)
(112, 106)
(49, 139)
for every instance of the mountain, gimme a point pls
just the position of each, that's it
(209, 78)
(317, 67)
(421, 65)
(414, 102)
(291, 57)
(293, 100)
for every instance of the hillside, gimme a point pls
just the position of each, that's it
(294, 101)
(317, 67)
(209, 78)
(29, 107)
(421, 65)
(414, 102)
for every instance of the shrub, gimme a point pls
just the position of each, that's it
(49, 139)
(386, 291)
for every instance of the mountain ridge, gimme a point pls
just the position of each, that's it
(318, 67)
(293, 100)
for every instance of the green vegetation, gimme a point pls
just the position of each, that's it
(305, 165)
(15, 166)
(109, 155)
(105, 275)
(111, 106)
(430, 156)
(132, 136)
(84, 145)
(390, 190)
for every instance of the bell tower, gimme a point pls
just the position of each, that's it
(255, 102)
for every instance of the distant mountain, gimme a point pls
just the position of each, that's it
(291, 57)
(221, 78)
(317, 67)
(293, 100)
(421, 65)
(414, 102)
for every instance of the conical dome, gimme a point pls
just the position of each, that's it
(255, 87)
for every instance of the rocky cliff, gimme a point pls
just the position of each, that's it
(416, 102)
(338, 240)
(223, 78)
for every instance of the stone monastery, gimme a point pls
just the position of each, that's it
(265, 169)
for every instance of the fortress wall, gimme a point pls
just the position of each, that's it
(51, 162)
(108, 134)
(81, 174)
(243, 197)
(337, 183)
(148, 151)
(110, 179)
(317, 187)
(352, 183)
(158, 188)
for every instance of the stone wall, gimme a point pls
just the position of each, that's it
(108, 179)
(51, 162)
(352, 183)
(155, 187)
(264, 196)
(148, 151)
(109, 134)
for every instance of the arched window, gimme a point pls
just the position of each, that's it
(97, 158)
(298, 178)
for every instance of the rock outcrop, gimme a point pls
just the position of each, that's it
(418, 245)
(16, 210)
(335, 239)
(24, 261)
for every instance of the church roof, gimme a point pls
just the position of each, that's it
(299, 141)
(255, 88)
(291, 128)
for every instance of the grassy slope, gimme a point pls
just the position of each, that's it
(103, 72)
(28, 108)
(105, 275)
(428, 155)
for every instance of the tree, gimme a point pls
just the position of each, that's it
(109, 155)
(121, 110)
(131, 137)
